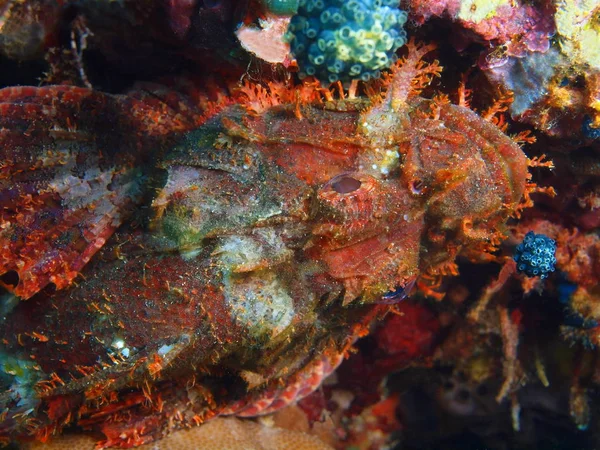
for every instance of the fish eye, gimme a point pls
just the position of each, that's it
(417, 186)
(345, 185)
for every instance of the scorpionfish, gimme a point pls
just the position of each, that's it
(157, 272)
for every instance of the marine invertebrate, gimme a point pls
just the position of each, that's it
(535, 255)
(256, 252)
(556, 89)
(508, 27)
(577, 253)
(553, 92)
(577, 26)
(578, 260)
(527, 78)
(266, 42)
(345, 40)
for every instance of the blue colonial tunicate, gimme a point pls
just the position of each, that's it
(346, 39)
(535, 256)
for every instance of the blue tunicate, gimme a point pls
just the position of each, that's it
(328, 15)
(318, 60)
(344, 33)
(336, 16)
(536, 255)
(326, 41)
(354, 39)
(382, 60)
(336, 66)
(384, 44)
(312, 27)
(355, 70)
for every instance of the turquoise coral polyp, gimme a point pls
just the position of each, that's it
(337, 40)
